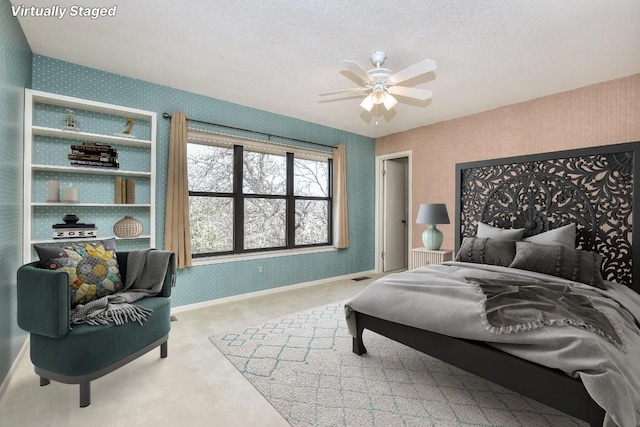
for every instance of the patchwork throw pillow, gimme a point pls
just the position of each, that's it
(576, 265)
(92, 268)
(487, 251)
(486, 231)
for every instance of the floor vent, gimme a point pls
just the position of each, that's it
(357, 279)
(174, 319)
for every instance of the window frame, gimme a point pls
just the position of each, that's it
(238, 197)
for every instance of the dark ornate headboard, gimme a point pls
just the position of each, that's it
(592, 187)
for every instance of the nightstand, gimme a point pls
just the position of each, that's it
(422, 256)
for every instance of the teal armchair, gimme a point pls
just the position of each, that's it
(79, 354)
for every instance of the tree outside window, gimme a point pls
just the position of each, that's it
(244, 200)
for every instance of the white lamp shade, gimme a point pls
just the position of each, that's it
(377, 96)
(389, 101)
(367, 103)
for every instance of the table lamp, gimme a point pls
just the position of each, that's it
(432, 213)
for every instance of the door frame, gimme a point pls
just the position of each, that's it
(379, 226)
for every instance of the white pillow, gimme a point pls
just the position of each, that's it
(561, 236)
(486, 231)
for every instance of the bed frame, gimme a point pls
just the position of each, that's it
(592, 187)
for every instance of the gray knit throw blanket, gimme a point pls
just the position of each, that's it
(146, 271)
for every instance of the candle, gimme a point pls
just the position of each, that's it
(70, 195)
(53, 191)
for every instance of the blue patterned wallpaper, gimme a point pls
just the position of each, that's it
(203, 283)
(15, 75)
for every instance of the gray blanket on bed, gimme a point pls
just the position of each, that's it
(441, 299)
(511, 307)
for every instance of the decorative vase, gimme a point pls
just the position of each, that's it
(128, 227)
(70, 219)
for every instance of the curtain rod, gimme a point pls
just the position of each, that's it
(269, 135)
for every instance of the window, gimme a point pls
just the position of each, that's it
(253, 196)
(311, 188)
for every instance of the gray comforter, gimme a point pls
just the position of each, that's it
(447, 299)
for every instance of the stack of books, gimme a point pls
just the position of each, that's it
(74, 231)
(94, 154)
(125, 190)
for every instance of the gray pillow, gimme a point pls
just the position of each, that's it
(487, 251)
(486, 231)
(560, 261)
(565, 236)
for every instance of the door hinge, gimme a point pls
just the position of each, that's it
(384, 172)
(382, 254)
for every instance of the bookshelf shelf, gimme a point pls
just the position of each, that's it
(137, 155)
(88, 169)
(45, 241)
(41, 97)
(89, 137)
(93, 205)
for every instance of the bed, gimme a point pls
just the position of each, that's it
(592, 188)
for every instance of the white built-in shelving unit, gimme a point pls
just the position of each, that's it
(99, 204)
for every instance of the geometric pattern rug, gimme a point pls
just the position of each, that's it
(303, 365)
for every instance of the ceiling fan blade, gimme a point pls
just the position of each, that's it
(353, 89)
(414, 70)
(357, 70)
(411, 92)
(367, 103)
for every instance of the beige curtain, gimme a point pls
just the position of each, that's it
(177, 236)
(340, 216)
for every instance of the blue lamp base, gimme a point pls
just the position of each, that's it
(432, 238)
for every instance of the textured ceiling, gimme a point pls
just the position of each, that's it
(277, 56)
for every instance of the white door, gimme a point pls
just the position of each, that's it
(395, 196)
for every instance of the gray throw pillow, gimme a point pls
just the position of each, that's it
(486, 231)
(487, 251)
(565, 236)
(560, 261)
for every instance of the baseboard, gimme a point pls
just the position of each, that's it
(240, 297)
(14, 366)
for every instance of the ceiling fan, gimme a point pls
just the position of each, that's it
(382, 85)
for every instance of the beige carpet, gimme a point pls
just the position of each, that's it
(303, 365)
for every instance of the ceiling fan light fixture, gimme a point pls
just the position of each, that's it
(378, 97)
(389, 101)
(380, 83)
(367, 103)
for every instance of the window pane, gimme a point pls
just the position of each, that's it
(310, 178)
(264, 223)
(210, 168)
(312, 222)
(211, 224)
(264, 173)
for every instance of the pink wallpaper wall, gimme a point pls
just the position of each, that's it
(604, 113)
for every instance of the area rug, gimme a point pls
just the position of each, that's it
(304, 366)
